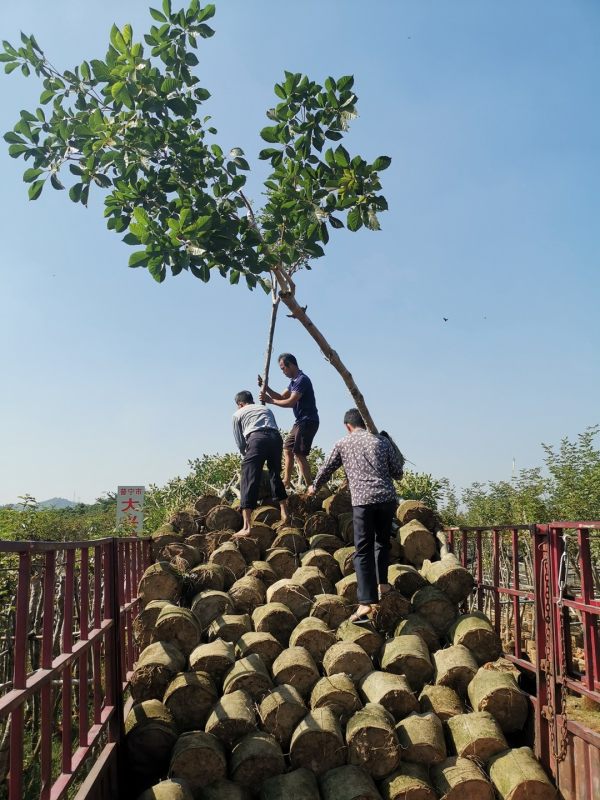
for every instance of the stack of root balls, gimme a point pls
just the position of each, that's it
(252, 682)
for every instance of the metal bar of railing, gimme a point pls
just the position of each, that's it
(93, 585)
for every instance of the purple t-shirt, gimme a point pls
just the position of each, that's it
(305, 409)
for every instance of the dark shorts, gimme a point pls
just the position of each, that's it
(299, 440)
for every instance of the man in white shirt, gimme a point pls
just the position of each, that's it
(258, 439)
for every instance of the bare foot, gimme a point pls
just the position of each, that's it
(241, 533)
(362, 613)
(283, 522)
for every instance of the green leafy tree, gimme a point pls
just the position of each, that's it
(574, 471)
(26, 521)
(567, 489)
(422, 486)
(132, 124)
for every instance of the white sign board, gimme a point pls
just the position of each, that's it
(130, 507)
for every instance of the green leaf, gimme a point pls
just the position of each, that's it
(127, 33)
(207, 12)
(314, 249)
(101, 70)
(216, 150)
(55, 182)
(75, 192)
(234, 276)
(270, 134)
(335, 222)
(191, 60)
(9, 48)
(381, 163)
(46, 96)
(138, 259)
(157, 269)
(157, 15)
(35, 190)
(166, 7)
(130, 238)
(85, 71)
(31, 174)
(6, 57)
(178, 106)
(169, 85)
(201, 94)
(117, 40)
(141, 216)
(345, 82)
(201, 272)
(354, 220)
(342, 157)
(8, 68)
(13, 138)
(15, 150)
(330, 85)
(102, 180)
(268, 152)
(205, 31)
(280, 91)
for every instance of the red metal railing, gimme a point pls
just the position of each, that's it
(541, 577)
(65, 703)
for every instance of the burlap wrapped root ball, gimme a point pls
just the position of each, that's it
(150, 735)
(198, 758)
(190, 697)
(281, 711)
(216, 658)
(154, 670)
(231, 718)
(338, 693)
(372, 741)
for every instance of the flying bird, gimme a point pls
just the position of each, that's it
(445, 319)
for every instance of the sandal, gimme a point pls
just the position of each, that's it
(359, 619)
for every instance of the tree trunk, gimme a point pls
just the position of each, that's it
(288, 296)
(269, 351)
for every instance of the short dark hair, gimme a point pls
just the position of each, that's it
(244, 397)
(287, 359)
(353, 417)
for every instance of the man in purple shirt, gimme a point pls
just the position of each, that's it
(300, 397)
(371, 464)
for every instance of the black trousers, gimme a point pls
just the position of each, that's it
(372, 531)
(265, 445)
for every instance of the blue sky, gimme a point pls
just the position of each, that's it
(490, 113)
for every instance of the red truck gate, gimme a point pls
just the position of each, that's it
(543, 575)
(69, 635)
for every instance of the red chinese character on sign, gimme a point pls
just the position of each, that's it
(129, 504)
(138, 490)
(123, 491)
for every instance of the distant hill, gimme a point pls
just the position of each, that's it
(56, 502)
